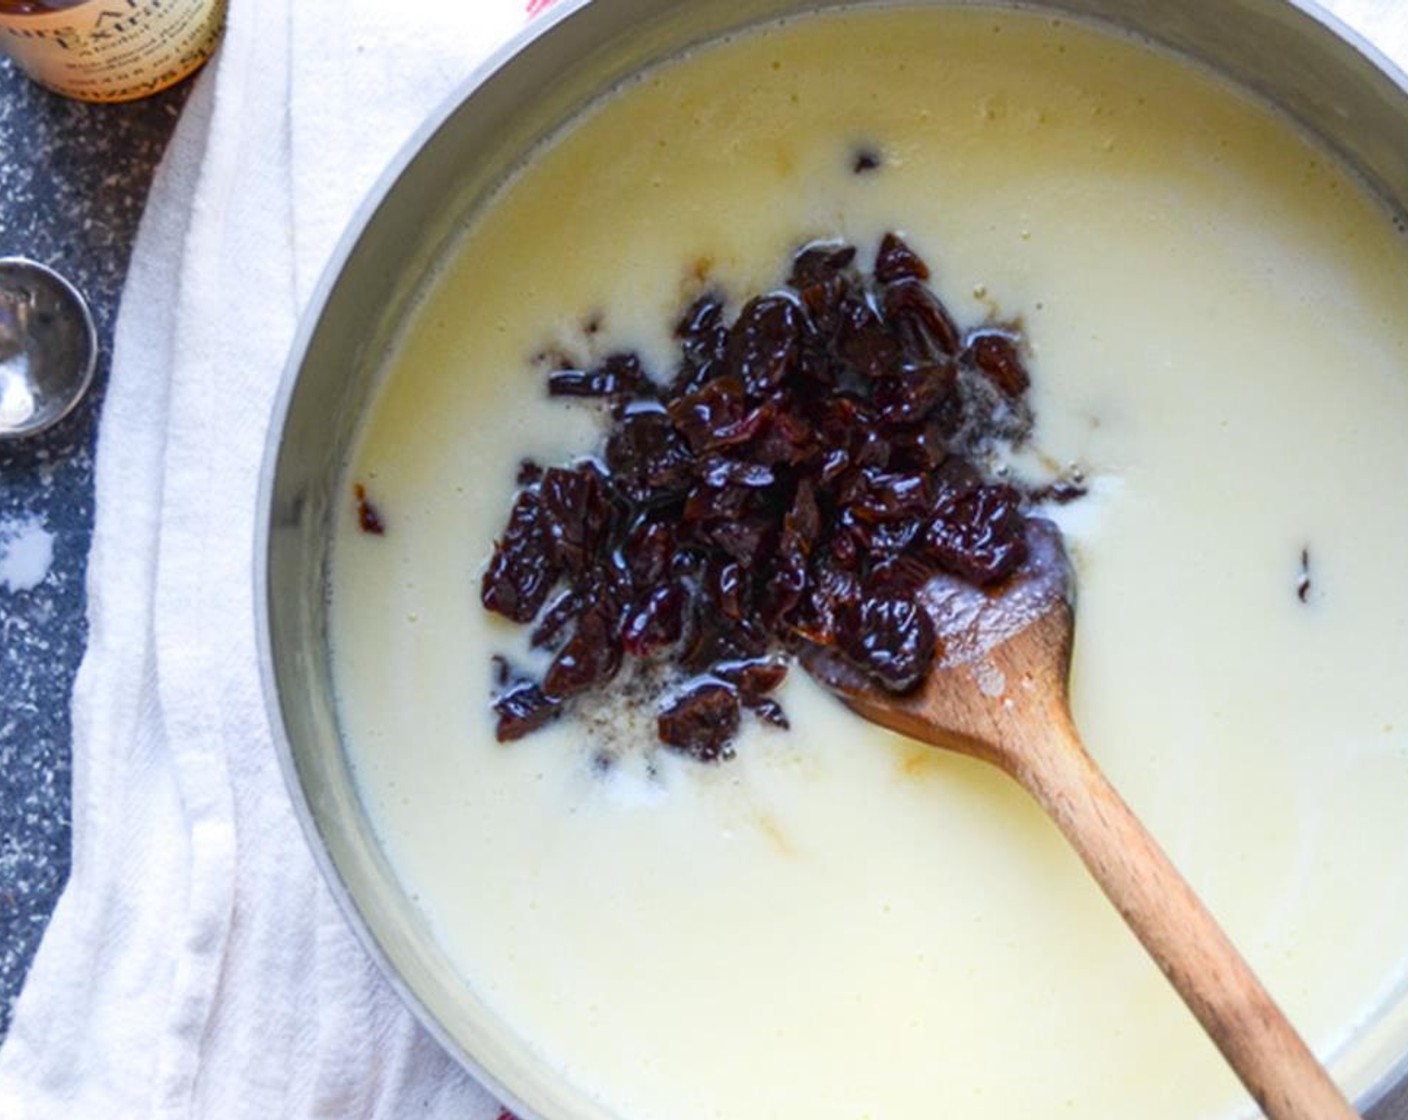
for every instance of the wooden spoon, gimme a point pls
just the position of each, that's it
(998, 692)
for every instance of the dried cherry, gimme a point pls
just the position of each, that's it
(524, 566)
(895, 260)
(522, 709)
(978, 534)
(995, 354)
(891, 639)
(702, 722)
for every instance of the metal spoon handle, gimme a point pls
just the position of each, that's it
(1175, 927)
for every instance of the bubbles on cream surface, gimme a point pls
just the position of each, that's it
(839, 924)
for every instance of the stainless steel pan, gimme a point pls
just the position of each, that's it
(1291, 54)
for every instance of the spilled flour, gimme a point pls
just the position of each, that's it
(26, 553)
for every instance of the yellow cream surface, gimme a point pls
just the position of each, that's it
(839, 925)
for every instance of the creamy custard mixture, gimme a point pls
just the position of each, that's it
(837, 924)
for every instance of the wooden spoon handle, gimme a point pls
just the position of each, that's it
(1183, 938)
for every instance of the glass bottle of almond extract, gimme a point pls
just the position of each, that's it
(110, 50)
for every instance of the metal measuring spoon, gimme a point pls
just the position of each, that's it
(48, 347)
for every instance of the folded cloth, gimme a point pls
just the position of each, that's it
(196, 967)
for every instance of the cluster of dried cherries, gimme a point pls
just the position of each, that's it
(806, 468)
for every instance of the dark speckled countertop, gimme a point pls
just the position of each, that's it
(73, 181)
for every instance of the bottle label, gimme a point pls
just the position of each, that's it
(114, 50)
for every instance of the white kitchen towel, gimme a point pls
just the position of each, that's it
(195, 966)
(196, 969)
